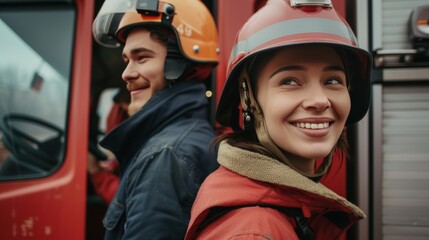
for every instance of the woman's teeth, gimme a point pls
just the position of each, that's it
(312, 125)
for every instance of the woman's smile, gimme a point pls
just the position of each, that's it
(313, 129)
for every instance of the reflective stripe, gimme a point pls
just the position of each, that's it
(325, 3)
(292, 27)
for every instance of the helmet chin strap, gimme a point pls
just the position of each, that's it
(175, 64)
(251, 109)
(174, 69)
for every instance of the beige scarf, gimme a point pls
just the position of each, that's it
(262, 168)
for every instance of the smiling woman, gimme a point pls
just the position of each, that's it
(303, 94)
(297, 74)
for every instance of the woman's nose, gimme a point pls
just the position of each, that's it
(316, 99)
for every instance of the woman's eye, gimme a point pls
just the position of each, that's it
(333, 81)
(289, 82)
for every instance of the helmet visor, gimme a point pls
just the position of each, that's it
(111, 17)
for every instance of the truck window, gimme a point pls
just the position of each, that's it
(35, 66)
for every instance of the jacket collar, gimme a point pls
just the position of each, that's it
(266, 181)
(262, 168)
(182, 100)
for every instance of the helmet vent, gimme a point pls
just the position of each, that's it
(322, 3)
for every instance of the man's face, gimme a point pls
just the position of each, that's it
(144, 72)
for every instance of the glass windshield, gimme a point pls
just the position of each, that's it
(35, 67)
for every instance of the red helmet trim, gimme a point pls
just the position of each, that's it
(316, 28)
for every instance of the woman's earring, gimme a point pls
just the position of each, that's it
(247, 117)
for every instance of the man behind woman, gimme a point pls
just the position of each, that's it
(169, 49)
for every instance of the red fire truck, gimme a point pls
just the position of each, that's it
(56, 87)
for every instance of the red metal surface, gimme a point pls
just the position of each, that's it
(54, 207)
(230, 17)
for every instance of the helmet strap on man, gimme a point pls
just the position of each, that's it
(252, 109)
(175, 63)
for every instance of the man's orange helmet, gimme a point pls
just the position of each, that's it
(190, 20)
(283, 23)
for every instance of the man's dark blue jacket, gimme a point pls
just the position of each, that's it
(163, 152)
